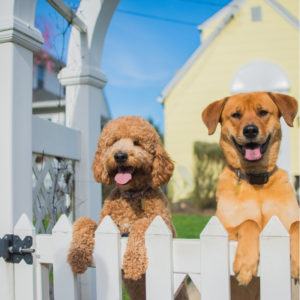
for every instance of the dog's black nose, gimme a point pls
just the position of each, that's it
(120, 157)
(250, 131)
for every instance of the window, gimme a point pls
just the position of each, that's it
(40, 76)
(260, 75)
(256, 13)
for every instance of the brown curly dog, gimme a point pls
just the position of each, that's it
(131, 157)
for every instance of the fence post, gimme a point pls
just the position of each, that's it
(159, 275)
(275, 273)
(107, 257)
(64, 280)
(18, 40)
(215, 272)
(24, 273)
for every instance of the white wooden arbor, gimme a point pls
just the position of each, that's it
(84, 82)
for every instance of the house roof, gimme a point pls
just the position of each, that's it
(284, 12)
(222, 18)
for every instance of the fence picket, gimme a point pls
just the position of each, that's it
(107, 257)
(208, 266)
(159, 276)
(215, 278)
(24, 274)
(42, 274)
(64, 280)
(275, 280)
(178, 280)
(196, 278)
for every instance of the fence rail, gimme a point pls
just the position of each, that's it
(55, 140)
(207, 261)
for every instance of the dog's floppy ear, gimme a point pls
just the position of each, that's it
(287, 106)
(99, 169)
(212, 114)
(162, 168)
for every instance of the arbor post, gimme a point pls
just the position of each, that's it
(18, 40)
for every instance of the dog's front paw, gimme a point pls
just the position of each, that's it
(295, 263)
(79, 259)
(295, 250)
(134, 265)
(295, 269)
(245, 267)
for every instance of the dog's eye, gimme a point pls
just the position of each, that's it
(262, 113)
(236, 115)
(136, 143)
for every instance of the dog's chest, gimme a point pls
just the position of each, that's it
(125, 213)
(243, 201)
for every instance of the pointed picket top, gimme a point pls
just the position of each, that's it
(62, 225)
(196, 278)
(24, 224)
(178, 280)
(107, 225)
(214, 228)
(158, 227)
(274, 228)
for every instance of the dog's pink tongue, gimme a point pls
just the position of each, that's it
(253, 154)
(123, 178)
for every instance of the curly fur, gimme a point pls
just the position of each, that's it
(132, 206)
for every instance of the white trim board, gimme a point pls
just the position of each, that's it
(54, 139)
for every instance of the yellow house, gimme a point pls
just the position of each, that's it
(248, 45)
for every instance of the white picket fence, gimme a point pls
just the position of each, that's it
(207, 261)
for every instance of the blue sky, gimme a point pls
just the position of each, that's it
(146, 43)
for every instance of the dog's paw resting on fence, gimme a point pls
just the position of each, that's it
(129, 157)
(135, 257)
(81, 252)
(247, 253)
(295, 250)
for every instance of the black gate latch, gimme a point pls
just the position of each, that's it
(13, 249)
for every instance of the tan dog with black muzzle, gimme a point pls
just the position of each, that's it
(251, 189)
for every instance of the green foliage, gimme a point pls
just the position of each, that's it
(209, 162)
(125, 295)
(189, 226)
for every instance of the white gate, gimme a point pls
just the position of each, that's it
(207, 261)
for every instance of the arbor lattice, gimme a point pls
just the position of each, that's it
(53, 190)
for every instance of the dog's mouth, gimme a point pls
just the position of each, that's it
(123, 175)
(252, 151)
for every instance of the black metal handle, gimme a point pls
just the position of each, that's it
(13, 249)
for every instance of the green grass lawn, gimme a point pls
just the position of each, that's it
(187, 227)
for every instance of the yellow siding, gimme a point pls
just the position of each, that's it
(209, 78)
(291, 5)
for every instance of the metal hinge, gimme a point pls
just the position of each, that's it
(13, 249)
